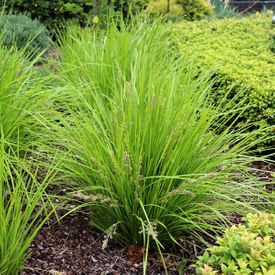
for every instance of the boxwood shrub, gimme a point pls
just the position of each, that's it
(239, 52)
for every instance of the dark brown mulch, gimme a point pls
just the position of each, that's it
(266, 173)
(73, 247)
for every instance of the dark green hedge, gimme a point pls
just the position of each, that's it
(240, 53)
(53, 12)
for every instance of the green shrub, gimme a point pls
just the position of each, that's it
(159, 7)
(244, 249)
(24, 33)
(139, 138)
(239, 52)
(53, 12)
(132, 6)
(195, 9)
(184, 9)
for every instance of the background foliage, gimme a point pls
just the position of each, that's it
(159, 7)
(223, 10)
(195, 9)
(239, 51)
(183, 9)
(53, 12)
(24, 33)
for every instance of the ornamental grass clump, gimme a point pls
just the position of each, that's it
(24, 205)
(139, 139)
(23, 97)
(24, 208)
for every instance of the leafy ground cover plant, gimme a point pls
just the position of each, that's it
(139, 139)
(244, 249)
(24, 208)
(241, 57)
(24, 33)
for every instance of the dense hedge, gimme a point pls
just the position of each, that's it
(239, 51)
(52, 12)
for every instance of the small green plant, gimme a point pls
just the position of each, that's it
(24, 33)
(244, 249)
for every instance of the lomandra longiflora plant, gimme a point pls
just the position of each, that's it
(23, 97)
(142, 142)
(24, 208)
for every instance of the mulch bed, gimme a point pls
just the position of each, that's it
(267, 174)
(73, 247)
